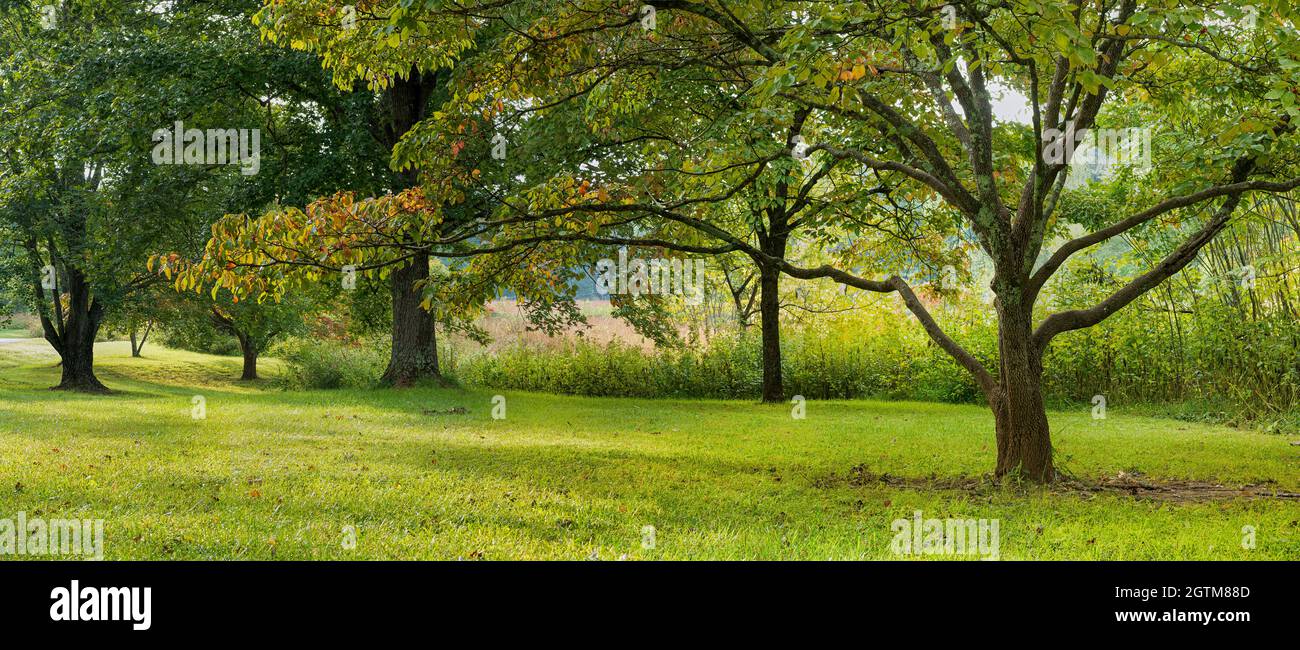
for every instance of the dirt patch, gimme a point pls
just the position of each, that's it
(1123, 484)
(1142, 488)
(455, 410)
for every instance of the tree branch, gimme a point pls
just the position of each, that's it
(1174, 262)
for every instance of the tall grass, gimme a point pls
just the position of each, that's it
(841, 358)
(325, 363)
(1203, 366)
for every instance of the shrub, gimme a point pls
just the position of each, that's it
(331, 364)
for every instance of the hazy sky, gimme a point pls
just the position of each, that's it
(1010, 106)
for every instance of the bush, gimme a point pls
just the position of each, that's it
(311, 364)
(205, 340)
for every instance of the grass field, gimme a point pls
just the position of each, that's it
(274, 474)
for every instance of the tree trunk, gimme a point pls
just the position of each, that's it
(250, 351)
(770, 310)
(76, 344)
(1024, 442)
(137, 349)
(78, 364)
(414, 354)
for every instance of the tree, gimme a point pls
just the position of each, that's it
(410, 86)
(906, 93)
(1128, 53)
(751, 189)
(136, 317)
(62, 181)
(256, 326)
(394, 235)
(601, 116)
(79, 104)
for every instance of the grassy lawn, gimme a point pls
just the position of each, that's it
(275, 474)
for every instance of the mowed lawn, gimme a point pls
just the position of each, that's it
(270, 474)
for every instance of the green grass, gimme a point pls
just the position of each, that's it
(273, 474)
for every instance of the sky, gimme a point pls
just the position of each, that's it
(1010, 106)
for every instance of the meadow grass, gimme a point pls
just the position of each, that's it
(271, 474)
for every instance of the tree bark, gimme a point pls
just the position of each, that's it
(770, 310)
(742, 295)
(414, 351)
(1023, 439)
(76, 342)
(414, 345)
(250, 351)
(78, 364)
(138, 347)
